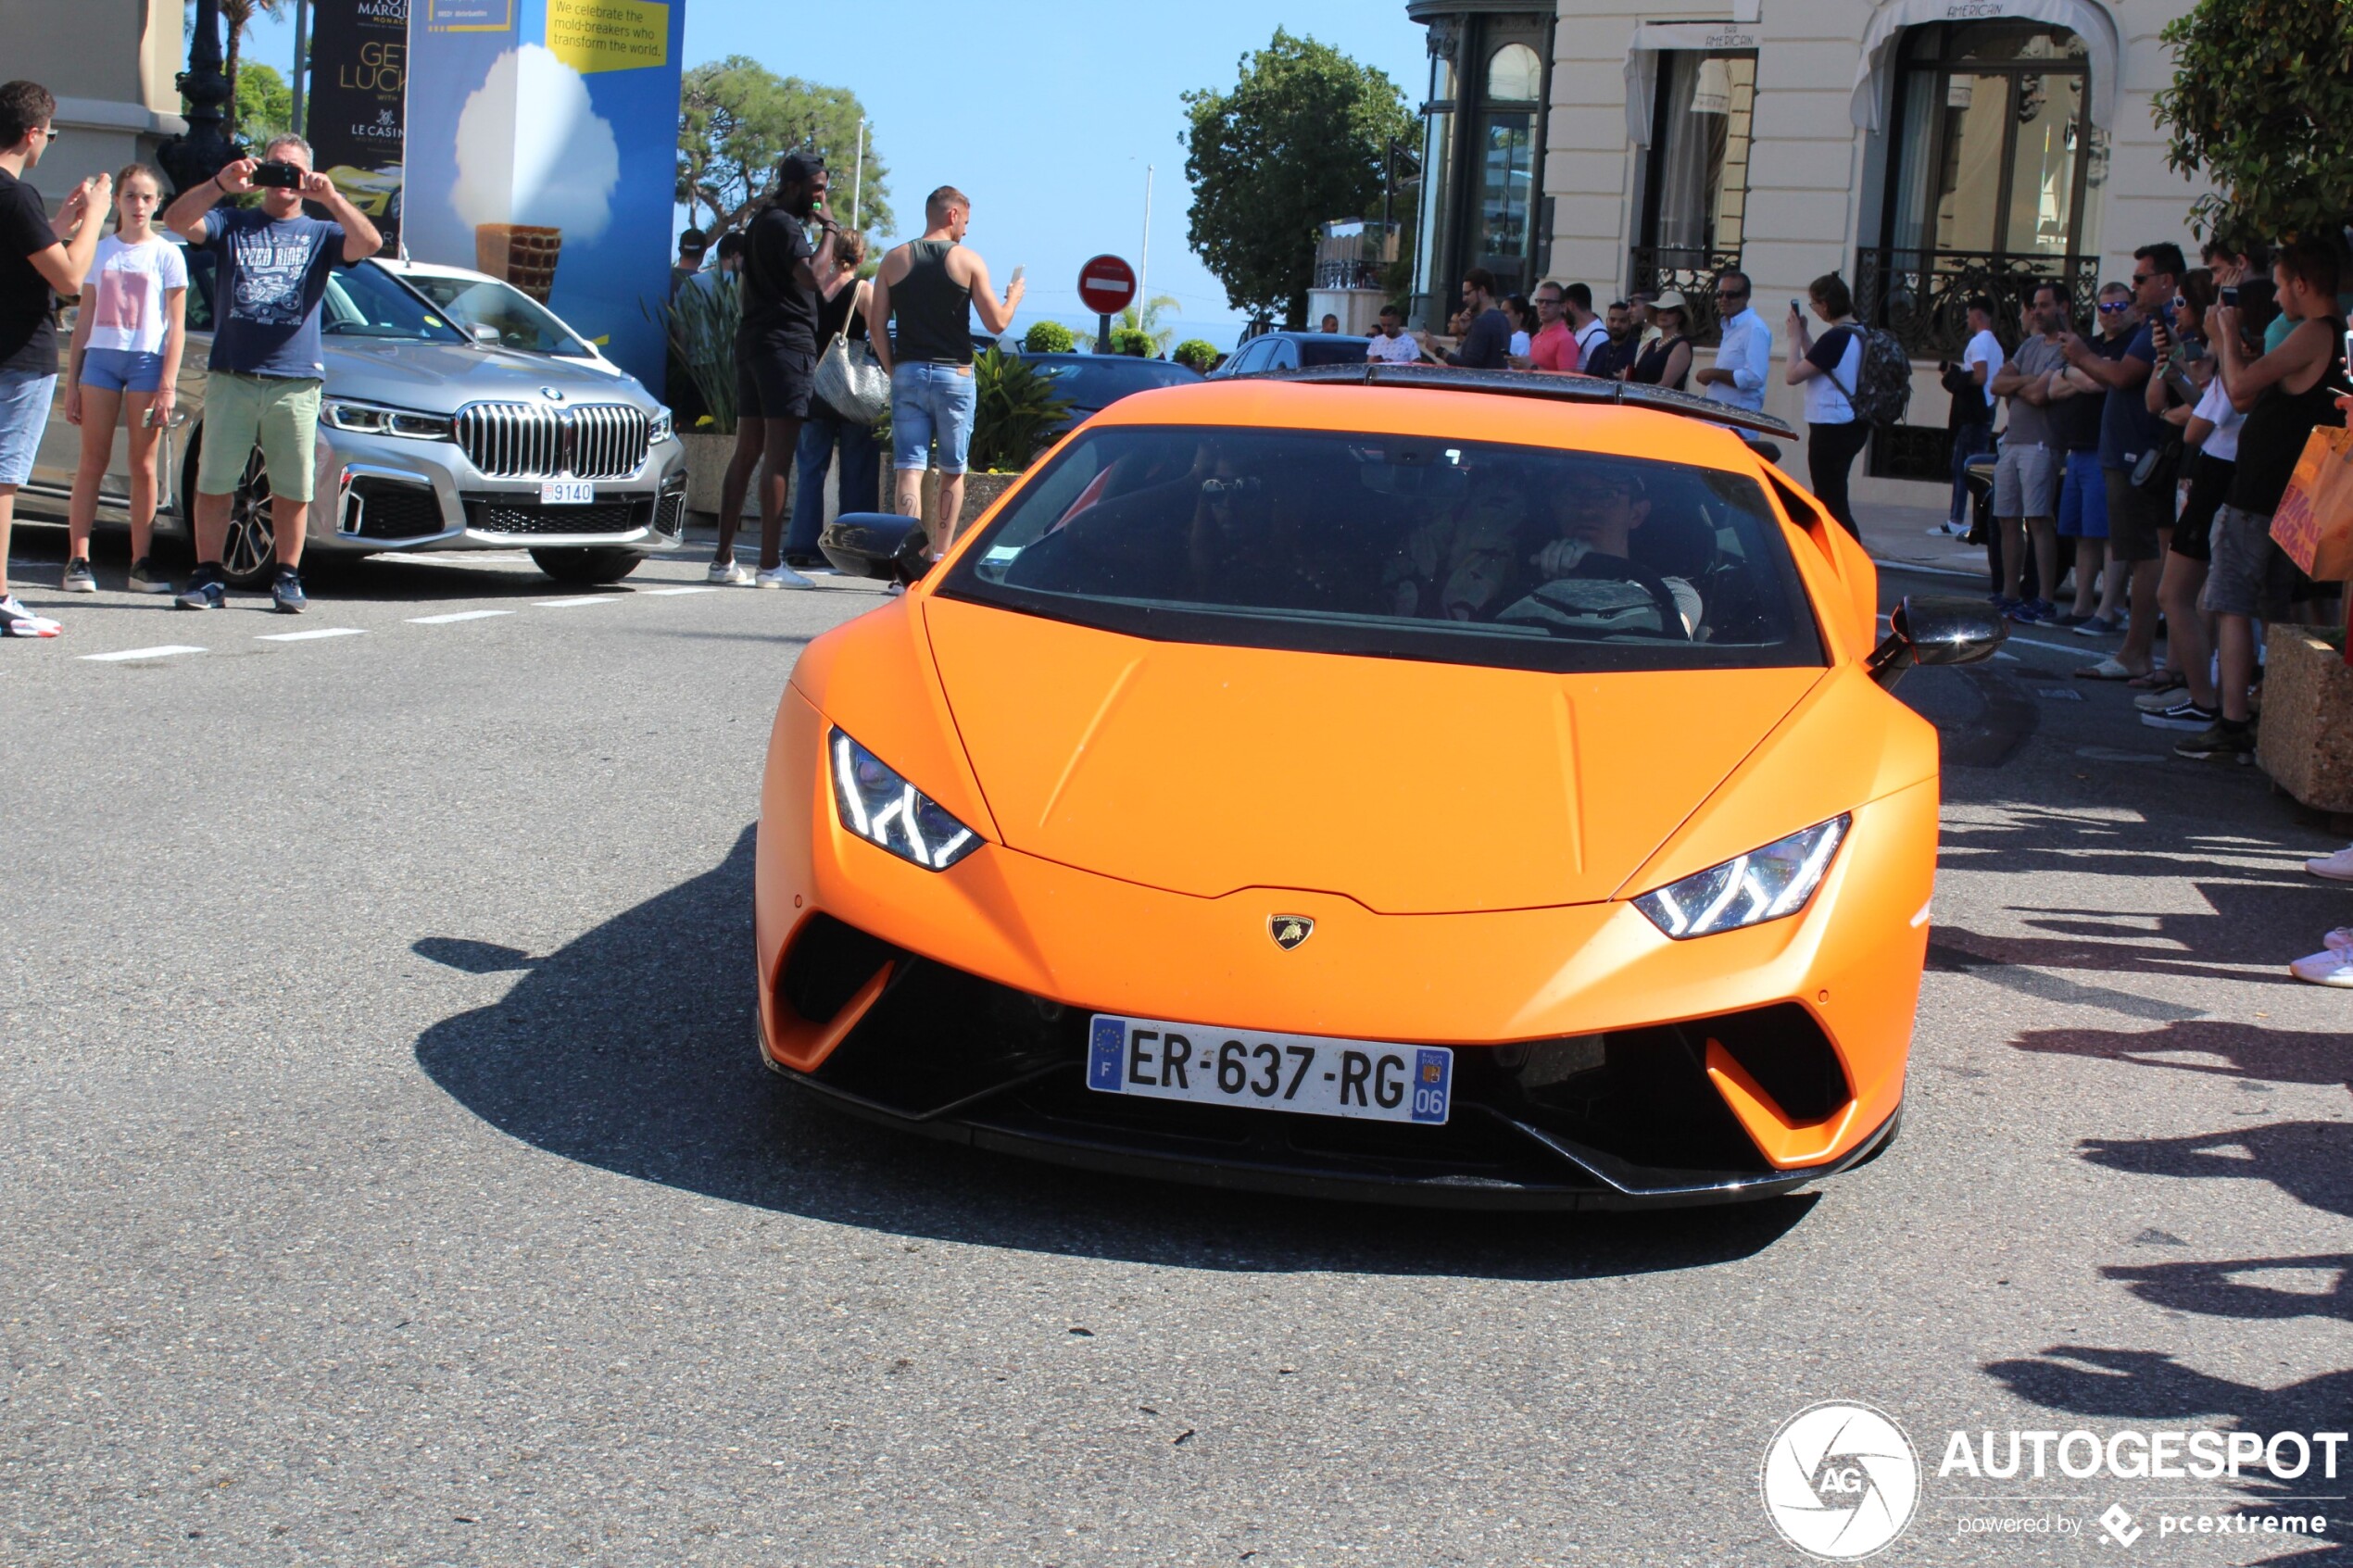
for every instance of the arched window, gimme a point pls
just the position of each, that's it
(1991, 147)
(1515, 75)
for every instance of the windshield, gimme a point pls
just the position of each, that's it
(363, 301)
(521, 321)
(1100, 381)
(1398, 546)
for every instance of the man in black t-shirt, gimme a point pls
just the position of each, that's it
(785, 280)
(37, 256)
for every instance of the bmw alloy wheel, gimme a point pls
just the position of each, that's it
(250, 552)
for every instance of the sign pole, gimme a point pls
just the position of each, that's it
(1102, 333)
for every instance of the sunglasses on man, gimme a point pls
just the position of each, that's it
(2115, 306)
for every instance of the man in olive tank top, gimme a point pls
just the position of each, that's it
(930, 284)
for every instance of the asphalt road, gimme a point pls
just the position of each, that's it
(386, 1175)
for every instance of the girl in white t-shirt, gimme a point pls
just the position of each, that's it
(128, 334)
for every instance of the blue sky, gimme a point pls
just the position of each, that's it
(1046, 112)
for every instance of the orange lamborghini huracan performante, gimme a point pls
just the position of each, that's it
(1407, 784)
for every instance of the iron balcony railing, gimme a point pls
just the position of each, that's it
(537, 441)
(1922, 296)
(1656, 269)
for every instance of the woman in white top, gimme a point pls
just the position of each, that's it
(1827, 370)
(2209, 426)
(1522, 317)
(128, 335)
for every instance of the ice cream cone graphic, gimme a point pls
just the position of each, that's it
(536, 165)
(523, 254)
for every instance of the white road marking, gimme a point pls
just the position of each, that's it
(312, 635)
(157, 652)
(659, 592)
(460, 615)
(572, 604)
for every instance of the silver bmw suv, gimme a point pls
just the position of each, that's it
(458, 414)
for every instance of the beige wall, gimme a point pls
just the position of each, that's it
(109, 63)
(1806, 165)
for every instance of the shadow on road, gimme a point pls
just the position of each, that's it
(2212, 1046)
(633, 1050)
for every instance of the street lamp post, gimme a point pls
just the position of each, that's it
(202, 151)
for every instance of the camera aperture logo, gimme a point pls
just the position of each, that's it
(1841, 1481)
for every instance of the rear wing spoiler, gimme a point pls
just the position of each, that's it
(1532, 383)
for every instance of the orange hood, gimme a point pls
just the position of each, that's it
(1412, 788)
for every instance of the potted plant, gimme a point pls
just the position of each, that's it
(2305, 740)
(700, 324)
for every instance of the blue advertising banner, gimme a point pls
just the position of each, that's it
(541, 137)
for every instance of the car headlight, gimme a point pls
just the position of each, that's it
(374, 418)
(1748, 889)
(885, 810)
(660, 429)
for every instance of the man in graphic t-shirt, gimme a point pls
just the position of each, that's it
(267, 364)
(36, 257)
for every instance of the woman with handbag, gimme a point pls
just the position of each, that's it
(842, 334)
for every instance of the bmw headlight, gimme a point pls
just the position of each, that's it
(375, 419)
(1748, 889)
(659, 430)
(885, 810)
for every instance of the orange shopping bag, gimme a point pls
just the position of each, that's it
(2314, 523)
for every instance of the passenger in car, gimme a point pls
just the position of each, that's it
(1462, 565)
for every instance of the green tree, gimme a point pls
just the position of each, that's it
(236, 17)
(1148, 320)
(1197, 352)
(265, 103)
(737, 121)
(1296, 142)
(2262, 95)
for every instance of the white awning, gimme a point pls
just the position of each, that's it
(2088, 19)
(1642, 62)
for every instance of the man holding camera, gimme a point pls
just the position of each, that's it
(267, 364)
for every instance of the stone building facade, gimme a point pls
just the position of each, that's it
(1926, 150)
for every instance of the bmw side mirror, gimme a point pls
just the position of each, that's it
(1936, 631)
(879, 545)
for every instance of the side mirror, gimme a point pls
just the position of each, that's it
(1937, 630)
(484, 334)
(880, 544)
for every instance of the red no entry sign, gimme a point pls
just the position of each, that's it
(1107, 284)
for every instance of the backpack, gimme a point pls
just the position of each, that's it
(1883, 388)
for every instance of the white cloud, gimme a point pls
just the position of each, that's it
(533, 149)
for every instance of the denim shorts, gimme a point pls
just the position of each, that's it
(929, 400)
(2082, 507)
(122, 370)
(24, 414)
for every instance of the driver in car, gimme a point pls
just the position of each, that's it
(1592, 584)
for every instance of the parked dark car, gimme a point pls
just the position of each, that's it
(1292, 351)
(1094, 381)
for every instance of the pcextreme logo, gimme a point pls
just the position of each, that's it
(1841, 1481)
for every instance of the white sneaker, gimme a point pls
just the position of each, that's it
(2331, 967)
(2340, 940)
(17, 621)
(728, 574)
(781, 576)
(2336, 868)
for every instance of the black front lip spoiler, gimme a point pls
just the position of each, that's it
(1611, 1188)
